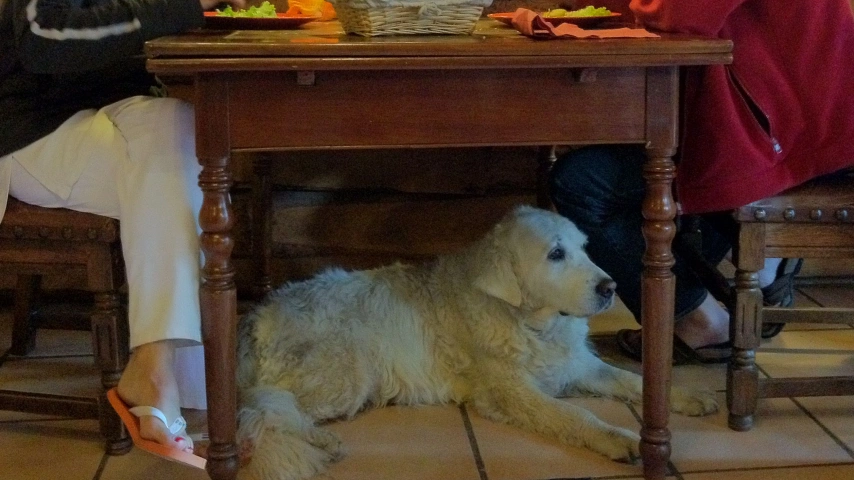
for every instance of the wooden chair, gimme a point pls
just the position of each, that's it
(35, 242)
(815, 220)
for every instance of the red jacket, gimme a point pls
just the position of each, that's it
(793, 61)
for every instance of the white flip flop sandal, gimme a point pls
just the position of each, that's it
(130, 417)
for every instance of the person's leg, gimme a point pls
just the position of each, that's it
(601, 190)
(140, 168)
(158, 198)
(708, 324)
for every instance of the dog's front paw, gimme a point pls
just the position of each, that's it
(618, 444)
(693, 402)
(327, 441)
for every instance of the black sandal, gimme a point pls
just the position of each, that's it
(631, 343)
(781, 292)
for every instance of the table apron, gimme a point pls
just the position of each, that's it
(421, 108)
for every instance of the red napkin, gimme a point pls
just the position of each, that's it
(531, 24)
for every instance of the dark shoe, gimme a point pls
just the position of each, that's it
(781, 292)
(631, 343)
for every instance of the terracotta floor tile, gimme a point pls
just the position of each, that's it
(828, 341)
(802, 300)
(807, 327)
(431, 443)
(823, 472)
(412, 443)
(48, 449)
(141, 465)
(709, 377)
(783, 435)
(835, 413)
(59, 375)
(509, 453)
(610, 321)
(829, 296)
(815, 353)
(606, 347)
(704, 377)
(780, 365)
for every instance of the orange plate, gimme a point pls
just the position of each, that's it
(582, 22)
(282, 21)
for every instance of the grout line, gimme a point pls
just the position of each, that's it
(672, 471)
(609, 477)
(101, 466)
(810, 297)
(580, 478)
(815, 419)
(824, 428)
(835, 326)
(478, 461)
(813, 300)
(635, 413)
(761, 370)
(481, 469)
(805, 351)
(773, 467)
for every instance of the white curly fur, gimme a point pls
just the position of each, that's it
(500, 326)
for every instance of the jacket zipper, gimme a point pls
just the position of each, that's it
(755, 110)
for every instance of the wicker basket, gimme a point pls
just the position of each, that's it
(427, 18)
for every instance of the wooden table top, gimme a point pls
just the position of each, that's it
(324, 46)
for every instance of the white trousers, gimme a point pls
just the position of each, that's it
(135, 161)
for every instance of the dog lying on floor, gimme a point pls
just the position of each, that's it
(500, 326)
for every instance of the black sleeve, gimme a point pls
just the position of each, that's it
(62, 36)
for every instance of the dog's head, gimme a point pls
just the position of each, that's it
(535, 258)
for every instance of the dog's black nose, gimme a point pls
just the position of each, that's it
(606, 288)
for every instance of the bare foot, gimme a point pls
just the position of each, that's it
(148, 380)
(707, 325)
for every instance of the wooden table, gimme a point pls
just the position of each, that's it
(315, 88)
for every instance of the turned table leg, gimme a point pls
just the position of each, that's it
(218, 295)
(658, 288)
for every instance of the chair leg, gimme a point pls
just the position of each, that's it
(110, 339)
(745, 329)
(23, 328)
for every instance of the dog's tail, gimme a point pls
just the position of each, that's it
(278, 441)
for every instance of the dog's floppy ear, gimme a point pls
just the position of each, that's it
(494, 273)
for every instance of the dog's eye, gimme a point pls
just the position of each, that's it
(557, 254)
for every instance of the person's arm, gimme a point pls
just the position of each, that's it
(700, 17)
(59, 36)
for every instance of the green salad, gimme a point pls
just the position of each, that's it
(265, 10)
(588, 11)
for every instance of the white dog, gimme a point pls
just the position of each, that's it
(500, 326)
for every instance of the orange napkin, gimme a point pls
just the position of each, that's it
(531, 24)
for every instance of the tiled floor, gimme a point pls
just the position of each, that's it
(794, 439)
